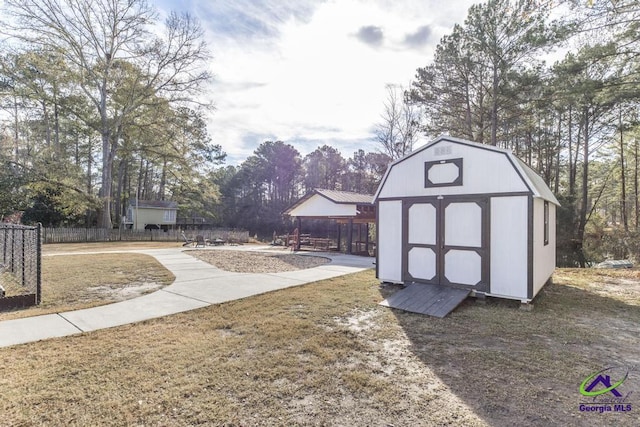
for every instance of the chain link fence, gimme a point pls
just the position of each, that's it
(20, 266)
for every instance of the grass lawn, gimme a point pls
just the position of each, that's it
(72, 282)
(327, 354)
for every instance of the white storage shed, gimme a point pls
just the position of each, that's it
(465, 216)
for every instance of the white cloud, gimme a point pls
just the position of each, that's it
(311, 73)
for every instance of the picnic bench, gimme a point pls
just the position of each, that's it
(217, 242)
(201, 241)
(319, 243)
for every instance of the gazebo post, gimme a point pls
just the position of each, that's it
(366, 238)
(339, 234)
(299, 233)
(349, 235)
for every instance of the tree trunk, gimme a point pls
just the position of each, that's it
(104, 217)
(163, 180)
(635, 183)
(140, 180)
(467, 116)
(529, 148)
(45, 114)
(494, 107)
(623, 181)
(119, 205)
(16, 132)
(585, 190)
(89, 164)
(556, 181)
(77, 150)
(56, 126)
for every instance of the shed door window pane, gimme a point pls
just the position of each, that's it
(463, 224)
(422, 224)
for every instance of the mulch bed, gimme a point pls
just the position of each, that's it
(255, 262)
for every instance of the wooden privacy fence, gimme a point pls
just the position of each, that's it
(84, 235)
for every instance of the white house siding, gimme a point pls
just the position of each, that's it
(509, 230)
(544, 255)
(390, 241)
(318, 205)
(155, 216)
(484, 171)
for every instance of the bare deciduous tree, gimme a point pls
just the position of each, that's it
(399, 128)
(118, 63)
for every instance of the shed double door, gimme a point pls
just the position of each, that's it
(445, 241)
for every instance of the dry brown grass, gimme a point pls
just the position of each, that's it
(327, 354)
(71, 282)
(56, 248)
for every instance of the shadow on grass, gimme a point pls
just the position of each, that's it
(514, 367)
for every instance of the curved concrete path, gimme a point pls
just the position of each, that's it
(197, 284)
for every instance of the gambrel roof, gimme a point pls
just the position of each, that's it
(531, 180)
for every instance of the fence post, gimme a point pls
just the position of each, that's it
(24, 263)
(13, 245)
(38, 264)
(4, 249)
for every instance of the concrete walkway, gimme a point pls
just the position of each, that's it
(197, 284)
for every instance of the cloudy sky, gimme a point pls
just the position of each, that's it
(312, 72)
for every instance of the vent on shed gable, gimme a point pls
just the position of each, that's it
(442, 150)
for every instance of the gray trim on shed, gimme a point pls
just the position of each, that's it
(497, 251)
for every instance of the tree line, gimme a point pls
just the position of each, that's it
(99, 106)
(254, 194)
(574, 121)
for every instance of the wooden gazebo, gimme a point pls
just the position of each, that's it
(355, 210)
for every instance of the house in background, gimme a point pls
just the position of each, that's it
(151, 215)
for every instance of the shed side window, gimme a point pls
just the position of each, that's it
(546, 222)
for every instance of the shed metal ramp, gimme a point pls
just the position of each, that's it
(433, 300)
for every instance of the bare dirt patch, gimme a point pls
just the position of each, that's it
(72, 282)
(120, 293)
(618, 284)
(257, 262)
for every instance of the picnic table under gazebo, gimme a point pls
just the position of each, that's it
(346, 209)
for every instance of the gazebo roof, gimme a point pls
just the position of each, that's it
(346, 196)
(329, 203)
